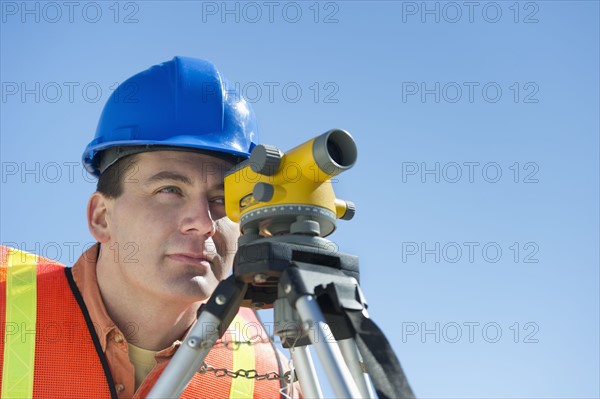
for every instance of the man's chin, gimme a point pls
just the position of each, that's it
(201, 289)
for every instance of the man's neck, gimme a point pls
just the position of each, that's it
(147, 322)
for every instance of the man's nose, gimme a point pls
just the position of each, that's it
(197, 219)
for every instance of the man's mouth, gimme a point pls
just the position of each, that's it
(191, 258)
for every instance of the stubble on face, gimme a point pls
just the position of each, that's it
(180, 212)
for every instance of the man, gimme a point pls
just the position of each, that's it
(108, 326)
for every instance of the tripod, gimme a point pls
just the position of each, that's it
(300, 274)
(283, 261)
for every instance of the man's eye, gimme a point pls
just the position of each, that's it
(218, 200)
(170, 190)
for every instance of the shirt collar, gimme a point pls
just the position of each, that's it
(84, 275)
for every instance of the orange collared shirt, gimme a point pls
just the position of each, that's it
(112, 340)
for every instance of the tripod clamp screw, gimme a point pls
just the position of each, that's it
(221, 299)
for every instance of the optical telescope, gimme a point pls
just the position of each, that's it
(276, 193)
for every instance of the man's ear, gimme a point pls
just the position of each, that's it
(97, 209)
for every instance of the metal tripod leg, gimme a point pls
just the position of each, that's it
(329, 352)
(188, 358)
(356, 365)
(307, 375)
(214, 319)
(288, 328)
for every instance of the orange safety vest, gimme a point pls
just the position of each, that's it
(50, 348)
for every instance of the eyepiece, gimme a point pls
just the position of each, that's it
(334, 151)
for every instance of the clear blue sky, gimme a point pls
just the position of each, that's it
(476, 183)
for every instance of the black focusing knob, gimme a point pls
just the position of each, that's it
(265, 159)
(350, 211)
(263, 192)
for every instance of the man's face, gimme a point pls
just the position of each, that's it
(168, 231)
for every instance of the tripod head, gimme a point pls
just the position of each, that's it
(275, 193)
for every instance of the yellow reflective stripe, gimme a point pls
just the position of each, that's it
(243, 358)
(19, 334)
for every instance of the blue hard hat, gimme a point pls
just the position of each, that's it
(183, 103)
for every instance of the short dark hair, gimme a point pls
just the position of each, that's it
(110, 182)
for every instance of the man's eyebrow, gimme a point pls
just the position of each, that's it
(174, 176)
(166, 175)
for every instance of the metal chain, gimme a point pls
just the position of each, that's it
(235, 345)
(251, 374)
